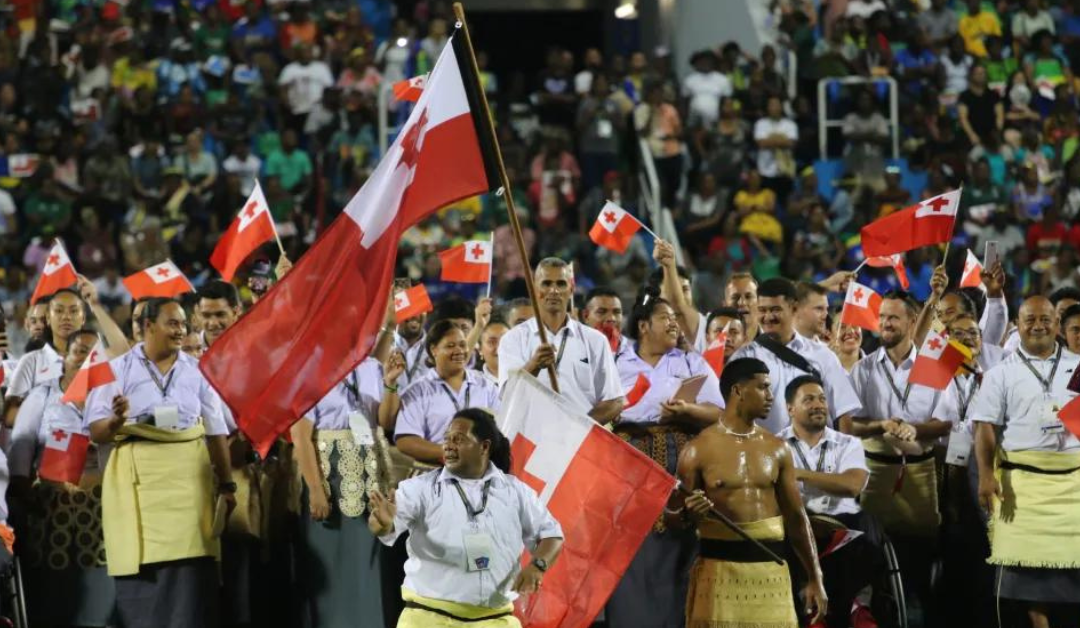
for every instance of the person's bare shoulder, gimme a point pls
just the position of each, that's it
(772, 443)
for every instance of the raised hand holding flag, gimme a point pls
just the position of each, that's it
(95, 371)
(972, 277)
(937, 361)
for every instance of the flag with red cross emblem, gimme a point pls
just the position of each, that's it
(57, 273)
(614, 228)
(938, 361)
(249, 230)
(468, 262)
(160, 280)
(923, 224)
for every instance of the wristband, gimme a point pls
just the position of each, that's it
(390, 389)
(226, 487)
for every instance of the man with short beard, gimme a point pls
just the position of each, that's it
(1029, 467)
(899, 432)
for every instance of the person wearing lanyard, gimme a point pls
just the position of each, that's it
(468, 524)
(580, 355)
(64, 561)
(653, 590)
(489, 349)
(161, 534)
(1029, 467)
(427, 406)
(898, 434)
(408, 344)
(603, 312)
(966, 573)
(831, 470)
(341, 561)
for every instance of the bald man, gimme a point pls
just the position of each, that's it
(1022, 444)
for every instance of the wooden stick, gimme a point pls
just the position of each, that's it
(511, 210)
(734, 527)
(278, 238)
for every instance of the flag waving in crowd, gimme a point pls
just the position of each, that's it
(862, 307)
(252, 227)
(972, 276)
(95, 371)
(923, 224)
(58, 273)
(896, 262)
(468, 262)
(160, 280)
(938, 360)
(614, 228)
(322, 318)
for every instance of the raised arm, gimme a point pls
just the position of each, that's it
(664, 254)
(114, 337)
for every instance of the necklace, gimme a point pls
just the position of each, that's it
(737, 434)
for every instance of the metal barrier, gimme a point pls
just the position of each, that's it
(825, 123)
(649, 200)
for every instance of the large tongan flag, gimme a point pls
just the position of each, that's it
(604, 493)
(321, 320)
(95, 371)
(925, 223)
(58, 273)
(251, 227)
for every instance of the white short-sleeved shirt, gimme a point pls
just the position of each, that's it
(360, 391)
(994, 321)
(664, 380)
(184, 386)
(766, 160)
(881, 388)
(304, 84)
(586, 365)
(835, 453)
(1011, 396)
(35, 368)
(430, 509)
(40, 413)
(954, 403)
(705, 91)
(842, 397)
(415, 360)
(428, 406)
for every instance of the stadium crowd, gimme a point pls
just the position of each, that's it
(134, 130)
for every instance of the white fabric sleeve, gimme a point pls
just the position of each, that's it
(24, 437)
(994, 321)
(988, 406)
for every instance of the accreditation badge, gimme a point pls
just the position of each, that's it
(361, 429)
(167, 417)
(478, 550)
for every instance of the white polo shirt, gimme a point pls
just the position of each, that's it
(884, 391)
(1013, 397)
(35, 368)
(842, 397)
(835, 453)
(585, 364)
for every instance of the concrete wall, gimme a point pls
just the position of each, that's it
(690, 25)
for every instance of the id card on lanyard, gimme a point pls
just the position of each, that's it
(1049, 423)
(166, 415)
(960, 440)
(478, 544)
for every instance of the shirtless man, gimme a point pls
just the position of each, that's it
(748, 475)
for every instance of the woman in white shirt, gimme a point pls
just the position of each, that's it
(428, 405)
(61, 544)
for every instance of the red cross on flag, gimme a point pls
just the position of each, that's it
(95, 371)
(897, 262)
(411, 88)
(614, 228)
(411, 303)
(160, 280)
(862, 307)
(972, 277)
(603, 492)
(937, 361)
(923, 224)
(468, 262)
(64, 456)
(714, 353)
(251, 227)
(58, 273)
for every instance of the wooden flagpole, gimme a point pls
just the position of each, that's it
(504, 180)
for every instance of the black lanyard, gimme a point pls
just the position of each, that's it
(472, 512)
(896, 390)
(963, 402)
(411, 370)
(562, 346)
(802, 456)
(1048, 382)
(353, 385)
(162, 387)
(453, 398)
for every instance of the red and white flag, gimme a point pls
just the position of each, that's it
(604, 493)
(862, 307)
(410, 89)
(58, 273)
(95, 371)
(1070, 416)
(322, 318)
(411, 302)
(160, 280)
(251, 227)
(923, 224)
(937, 361)
(468, 262)
(972, 277)
(839, 539)
(614, 228)
(64, 456)
(714, 353)
(896, 261)
(637, 391)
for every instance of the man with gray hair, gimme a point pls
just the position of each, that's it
(580, 355)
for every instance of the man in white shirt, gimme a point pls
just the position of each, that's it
(468, 524)
(1029, 466)
(704, 87)
(811, 310)
(244, 166)
(776, 136)
(789, 354)
(580, 356)
(831, 469)
(302, 83)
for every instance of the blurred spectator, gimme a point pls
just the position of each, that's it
(302, 83)
(776, 136)
(939, 23)
(866, 135)
(703, 87)
(601, 122)
(976, 26)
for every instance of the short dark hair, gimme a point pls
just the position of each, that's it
(644, 307)
(966, 302)
(905, 297)
(153, 308)
(218, 289)
(80, 332)
(778, 287)
(656, 277)
(1061, 294)
(804, 289)
(738, 371)
(452, 307)
(726, 312)
(794, 385)
(601, 291)
(1070, 312)
(435, 334)
(484, 428)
